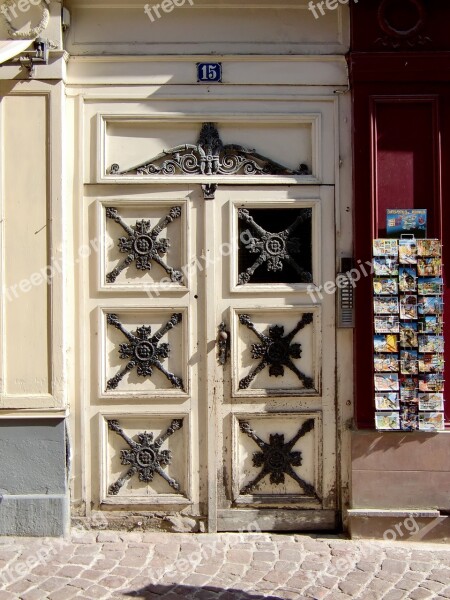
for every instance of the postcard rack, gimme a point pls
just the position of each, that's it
(408, 334)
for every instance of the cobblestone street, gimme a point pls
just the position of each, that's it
(114, 565)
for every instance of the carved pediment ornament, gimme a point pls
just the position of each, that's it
(210, 156)
(409, 36)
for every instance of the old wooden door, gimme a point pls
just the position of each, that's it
(272, 402)
(214, 382)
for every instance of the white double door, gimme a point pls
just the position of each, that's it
(212, 367)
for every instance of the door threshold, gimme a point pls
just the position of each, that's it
(254, 521)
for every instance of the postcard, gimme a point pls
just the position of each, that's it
(409, 397)
(387, 324)
(409, 382)
(409, 417)
(431, 363)
(386, 383)
(431, 343)
(434, 382)
(387, 402)
(385, 266)
(431, 401)
(409, 408)
(429, 267)
(431, 421)
(409, 362)
(385, 247)
(407, 279)
(408, 307)
(411, 220)
(385, 305)
(408, 335)
(385, 286)
(387, 421)
(430, 305)
(430, 286)
(407, 252)
(430, 324)
(385, 343)
(429, 248)
(385, 363)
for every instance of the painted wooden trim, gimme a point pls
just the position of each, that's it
(299, 70)
(56, 315)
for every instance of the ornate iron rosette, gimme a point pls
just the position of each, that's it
(145, 456)
(276, 351)
(142, 245)
(277, 458)
(144, 351)
(274, 249)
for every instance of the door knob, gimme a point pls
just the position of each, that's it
(223, 342)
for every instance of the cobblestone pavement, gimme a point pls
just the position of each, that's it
(116, 565)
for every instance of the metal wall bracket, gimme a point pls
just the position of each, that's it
(30, 58)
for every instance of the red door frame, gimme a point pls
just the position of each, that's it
(406, 78)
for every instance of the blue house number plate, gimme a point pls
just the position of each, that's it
(209, 72)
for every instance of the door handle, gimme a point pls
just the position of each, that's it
(223, 342)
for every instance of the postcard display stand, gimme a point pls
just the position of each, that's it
(408, 334)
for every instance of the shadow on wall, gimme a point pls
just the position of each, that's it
(176, 592)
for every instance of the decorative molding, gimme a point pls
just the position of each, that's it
(143, 246)
(277, 458)
(145, 457)
(274, 249)
(184, 58)
(145, 351)
(209, 157)
(276, 351)
(412, 37)
(258, 4)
